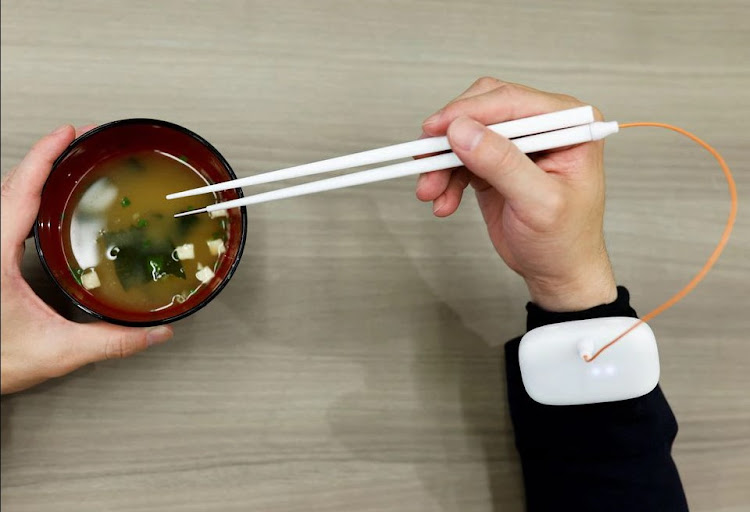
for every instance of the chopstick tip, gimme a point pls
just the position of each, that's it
(190, 212)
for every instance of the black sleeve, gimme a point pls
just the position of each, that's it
(612, 456)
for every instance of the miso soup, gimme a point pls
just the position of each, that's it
(123, 243)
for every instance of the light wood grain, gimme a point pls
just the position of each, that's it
(355, 361)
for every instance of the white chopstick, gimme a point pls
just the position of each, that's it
(510, 129)
(531, 144)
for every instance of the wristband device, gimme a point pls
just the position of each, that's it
(557, 366)
(607, 359)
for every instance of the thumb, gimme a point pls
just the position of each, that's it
(100, 341)
(500, 163)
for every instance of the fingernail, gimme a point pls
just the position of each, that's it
(465, 133)
(432, 119)
(158, 335)
(60, 130)
(438, 204)
(420, 181)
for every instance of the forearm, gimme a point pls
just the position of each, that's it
(608, 456)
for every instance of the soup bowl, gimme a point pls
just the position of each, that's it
(120, 139)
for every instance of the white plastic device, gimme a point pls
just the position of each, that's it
(554, 370)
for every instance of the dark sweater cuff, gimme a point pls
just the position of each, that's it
(624, 428)
(537, 317)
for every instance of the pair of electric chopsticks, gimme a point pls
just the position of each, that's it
(529, 134)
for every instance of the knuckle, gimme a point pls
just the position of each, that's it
(122, 345)
(556, 203)
(505, 92)
(553, 212)
(115, 347)
(598, 114)
(509, 87)
(7, 185)
(7, 190)
(486, 81)
(506, 156)
(571, 101)
(559, 101)
(461, 106)
(567, 98)
(453, 110)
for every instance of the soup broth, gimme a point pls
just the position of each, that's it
(123, 244)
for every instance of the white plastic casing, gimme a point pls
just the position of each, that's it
(554, 371)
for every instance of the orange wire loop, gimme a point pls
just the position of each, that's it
(714, 255)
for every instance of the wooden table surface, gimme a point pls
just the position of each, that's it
(355, 361)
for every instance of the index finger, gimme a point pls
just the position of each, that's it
(480, 86)
(431, 185)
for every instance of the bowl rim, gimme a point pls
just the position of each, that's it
(221, 285)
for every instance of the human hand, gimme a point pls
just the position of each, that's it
(544, 212)
(39, 344)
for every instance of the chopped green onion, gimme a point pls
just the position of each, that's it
(77, 273)
(125, 202)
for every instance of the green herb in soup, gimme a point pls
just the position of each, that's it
(138, 259)
(123, 243)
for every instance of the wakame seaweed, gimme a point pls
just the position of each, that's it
(185, 224)
(139, 259)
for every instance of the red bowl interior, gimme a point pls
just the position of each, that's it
(122, 138)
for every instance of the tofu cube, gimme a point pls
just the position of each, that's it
(98, 197)
(90, 280)
(205, 274)
(185, 252)
(218, 213)
(216, 246)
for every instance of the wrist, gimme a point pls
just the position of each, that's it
(597, 287)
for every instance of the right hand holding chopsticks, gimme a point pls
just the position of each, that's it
(544, 212)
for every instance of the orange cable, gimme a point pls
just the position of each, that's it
(714, 255)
